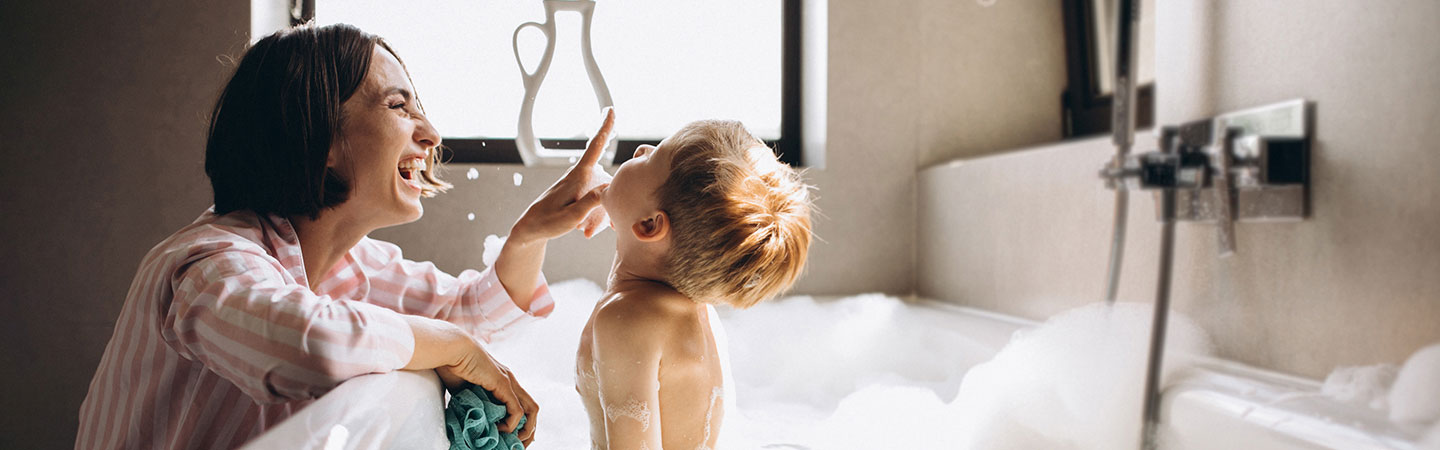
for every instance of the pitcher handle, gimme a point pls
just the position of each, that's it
(539, 72)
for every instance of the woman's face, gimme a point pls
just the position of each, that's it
(383, 145)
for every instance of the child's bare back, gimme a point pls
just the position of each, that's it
(707, 217)
(649, 361)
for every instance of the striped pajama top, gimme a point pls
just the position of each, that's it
(221, 337)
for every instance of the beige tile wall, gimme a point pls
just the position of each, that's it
(990, 77)
(1357, 283)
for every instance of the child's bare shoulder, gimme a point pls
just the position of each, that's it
(644, 315)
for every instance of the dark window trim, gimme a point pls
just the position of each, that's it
(1084, 110)
(503, 151)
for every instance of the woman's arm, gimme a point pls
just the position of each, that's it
(234, 311)
(459, 357)
(563, 207)
(475, 300)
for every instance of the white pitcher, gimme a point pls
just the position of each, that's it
(531, 152)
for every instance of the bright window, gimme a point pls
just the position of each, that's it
(666, 62)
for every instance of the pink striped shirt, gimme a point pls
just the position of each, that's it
(221, 337)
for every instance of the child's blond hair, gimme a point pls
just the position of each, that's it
(740, 219)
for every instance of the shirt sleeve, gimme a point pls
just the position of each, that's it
(475, 300)
(277, 341)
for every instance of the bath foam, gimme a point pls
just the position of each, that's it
(900, 377)
(797, 351)
(1364, 386)
(885, 416)
(1415, 396)
(1075, 382)
(716, 393)
(632, 409)
(1071, 383)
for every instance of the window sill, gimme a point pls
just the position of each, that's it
(504, 151)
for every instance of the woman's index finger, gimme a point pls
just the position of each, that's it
(599, 141)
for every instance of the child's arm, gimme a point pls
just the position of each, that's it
(627, 350)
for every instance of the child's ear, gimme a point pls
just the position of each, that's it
(652, 228)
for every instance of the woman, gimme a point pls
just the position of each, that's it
(276, 295)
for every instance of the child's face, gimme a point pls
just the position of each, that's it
(631, 195)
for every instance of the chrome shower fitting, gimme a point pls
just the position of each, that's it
(1246, 166)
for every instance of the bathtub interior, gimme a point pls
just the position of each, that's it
(872, 371)
(793, 361)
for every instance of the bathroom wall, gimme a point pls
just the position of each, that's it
(990, 77)
(102, 125)
(1027, 233)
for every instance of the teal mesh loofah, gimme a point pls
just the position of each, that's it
(472, 422)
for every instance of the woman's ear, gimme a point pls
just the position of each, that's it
(652, 228)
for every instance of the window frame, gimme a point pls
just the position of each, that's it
(1084, 110)
(503, 150)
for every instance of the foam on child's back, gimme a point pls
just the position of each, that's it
(631, 409)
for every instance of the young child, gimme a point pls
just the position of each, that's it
(708, 217)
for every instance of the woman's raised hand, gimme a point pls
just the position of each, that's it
(566, 205)
(598, 218)
(573, 202)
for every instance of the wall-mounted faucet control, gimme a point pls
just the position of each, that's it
(1248, 166)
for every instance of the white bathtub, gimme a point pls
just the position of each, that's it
(794, 382)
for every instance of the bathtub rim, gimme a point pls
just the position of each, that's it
(1212, 389)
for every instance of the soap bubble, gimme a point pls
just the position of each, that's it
(493, 244)
(472, 174)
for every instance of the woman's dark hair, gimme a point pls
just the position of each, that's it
(272, 127)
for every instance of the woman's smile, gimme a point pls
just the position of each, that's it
(410, 171)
